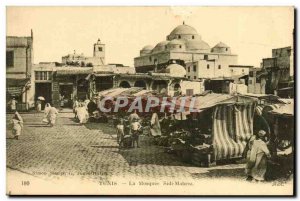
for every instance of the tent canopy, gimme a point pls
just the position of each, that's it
(209, 100)
(285, 110)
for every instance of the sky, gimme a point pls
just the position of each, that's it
(251, 32)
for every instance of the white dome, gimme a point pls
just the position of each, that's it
(184, 30)
(197, 45)
(148, 48)
(176, 70)
(221, 48)
(176, 42)
(161, 46)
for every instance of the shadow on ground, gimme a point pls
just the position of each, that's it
(231, 173)
(149, 154)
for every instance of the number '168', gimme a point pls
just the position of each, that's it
(25, 183)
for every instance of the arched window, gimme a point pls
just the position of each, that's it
(193, 37)
(124, 84)
(140, 83)
(179, 46)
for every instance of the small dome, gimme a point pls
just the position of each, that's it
(148, 48)
(197, 45)
(176, 70)
(176, 42)
(161, 46)
(221, 48)
(184, 30)
(221, 44)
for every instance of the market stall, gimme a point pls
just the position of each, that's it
(217, 130)
(282, 140)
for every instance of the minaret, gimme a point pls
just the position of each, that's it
(99, 51)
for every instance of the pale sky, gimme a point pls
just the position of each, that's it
(251, 32)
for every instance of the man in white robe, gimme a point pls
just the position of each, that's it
(257, 162)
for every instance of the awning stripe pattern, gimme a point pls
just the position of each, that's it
(232, 127)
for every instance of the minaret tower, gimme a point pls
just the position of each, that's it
(99, 51)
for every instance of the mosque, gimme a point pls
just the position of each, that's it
(184, 46)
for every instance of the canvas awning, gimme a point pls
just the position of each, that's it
(15, 87)
(269, 97)
(232, 127)
(133, 91)
(285, 110)
(209, 100)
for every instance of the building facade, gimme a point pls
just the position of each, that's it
(19, 60)
(185, 46)
(280, 69)
(257, 81)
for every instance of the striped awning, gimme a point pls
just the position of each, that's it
(232, 127)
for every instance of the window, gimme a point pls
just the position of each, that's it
(179, 37)
(205, 57)
(189, 69)
(150, 59)
(226, 49)
(194, 68)
(195, 77)
(43, 75)
(179, 46)
(207, 66)
(219, 66)
(189, 92)
(100, 49)
(250, 81)
(189, 77)
(251, 73)
(9, 58)
(232, 70)
(243, 70)
(193, 37)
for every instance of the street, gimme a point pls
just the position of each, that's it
(90, 152)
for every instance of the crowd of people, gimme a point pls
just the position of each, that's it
(129, 127)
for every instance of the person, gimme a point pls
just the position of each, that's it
(62, 100)
(86, 102)
(51, 115)
(92, 106)
(155, 128)
(246, 154)
(135, 127)
(13, 104)
(38, 105)
(257, 162)
(46, 111)
(133, 117)
(17, 122)
(120, 131)
(82, 113)
(75, 106)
